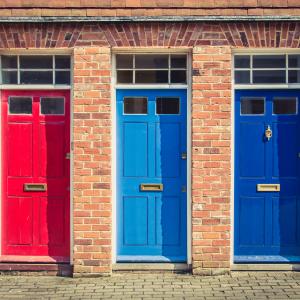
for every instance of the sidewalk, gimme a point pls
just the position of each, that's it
(238, 285)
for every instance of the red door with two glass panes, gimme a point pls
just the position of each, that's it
(36, 175)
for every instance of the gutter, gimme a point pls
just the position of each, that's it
(120, 19)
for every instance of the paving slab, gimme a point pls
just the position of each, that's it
(237, 285)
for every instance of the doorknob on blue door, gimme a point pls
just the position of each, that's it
(268, 133)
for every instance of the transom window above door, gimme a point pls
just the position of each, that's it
(151, 68)
(35, 69)
(267, 69)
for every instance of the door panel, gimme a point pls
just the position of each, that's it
(135, 222)
(34, 147)
(285, 148)
(51, 148)
(252, 163)
(20, 156)
(267, 226)
(135, 149)
(150, 141)
(20, 220)
(167, 150)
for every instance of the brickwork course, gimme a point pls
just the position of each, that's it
(244, 285)
(111, 8)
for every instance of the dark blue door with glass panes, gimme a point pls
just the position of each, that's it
(151, 175)
(267, 170)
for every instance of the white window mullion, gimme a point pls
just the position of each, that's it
(286, 68)
(53, 69)
(251, 69)
(18, 68)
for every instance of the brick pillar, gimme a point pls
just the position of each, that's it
(211, 159)
(92, 160)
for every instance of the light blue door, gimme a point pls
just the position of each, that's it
(267, 185)
(151, 175)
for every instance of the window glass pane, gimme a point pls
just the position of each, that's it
(125, 76)
(242, 76)
(36, 62)
(9, 77)
(9, 62)
(124, 61)
(62, 77)
(242, 61)
(269, 61)
(294, 76)
(36, 77)
(62, 62)
(294, 61)
(285, 106)
(269, 76)
(20, 105)
(52, 106)
(135, 105)
(151, 61)
(178, 61)
(178, 76)
(151, 76)
(167, 106)
(252, 106)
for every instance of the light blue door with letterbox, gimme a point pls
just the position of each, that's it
(151, 175)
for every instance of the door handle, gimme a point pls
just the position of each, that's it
(268, 133)
(151, 187)
(35, 187)
(268, 187)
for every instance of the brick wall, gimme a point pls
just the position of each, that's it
(92, 160)
(83, 8)
(211, 45)
(211, 159)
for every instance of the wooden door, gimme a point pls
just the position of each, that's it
(36, 174)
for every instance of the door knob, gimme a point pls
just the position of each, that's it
(268, 133)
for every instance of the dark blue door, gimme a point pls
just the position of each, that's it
(151, 175)
(267, 155)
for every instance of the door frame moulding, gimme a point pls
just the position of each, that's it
(114, 87)
(250, 51)
(33, 51)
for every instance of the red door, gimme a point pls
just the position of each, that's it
(36, 174)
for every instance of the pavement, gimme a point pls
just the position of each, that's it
(237, 285)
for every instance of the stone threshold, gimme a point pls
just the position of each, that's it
(36, 269)
(150, 267)
(265, 267)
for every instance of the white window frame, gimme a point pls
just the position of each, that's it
(19, 70)
(169, 69)
(265, 52)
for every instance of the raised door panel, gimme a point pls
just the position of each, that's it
(135, 147)
(135, 221)
(251, 150)
(20, 149)
(285, 149)
(167, 150)
(51, 150)
(52, 212)
(252, 221)
(19, 216)
(168, 225)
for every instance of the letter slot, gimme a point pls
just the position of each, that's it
(268, 187)
(35, 187)
(151, 187)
